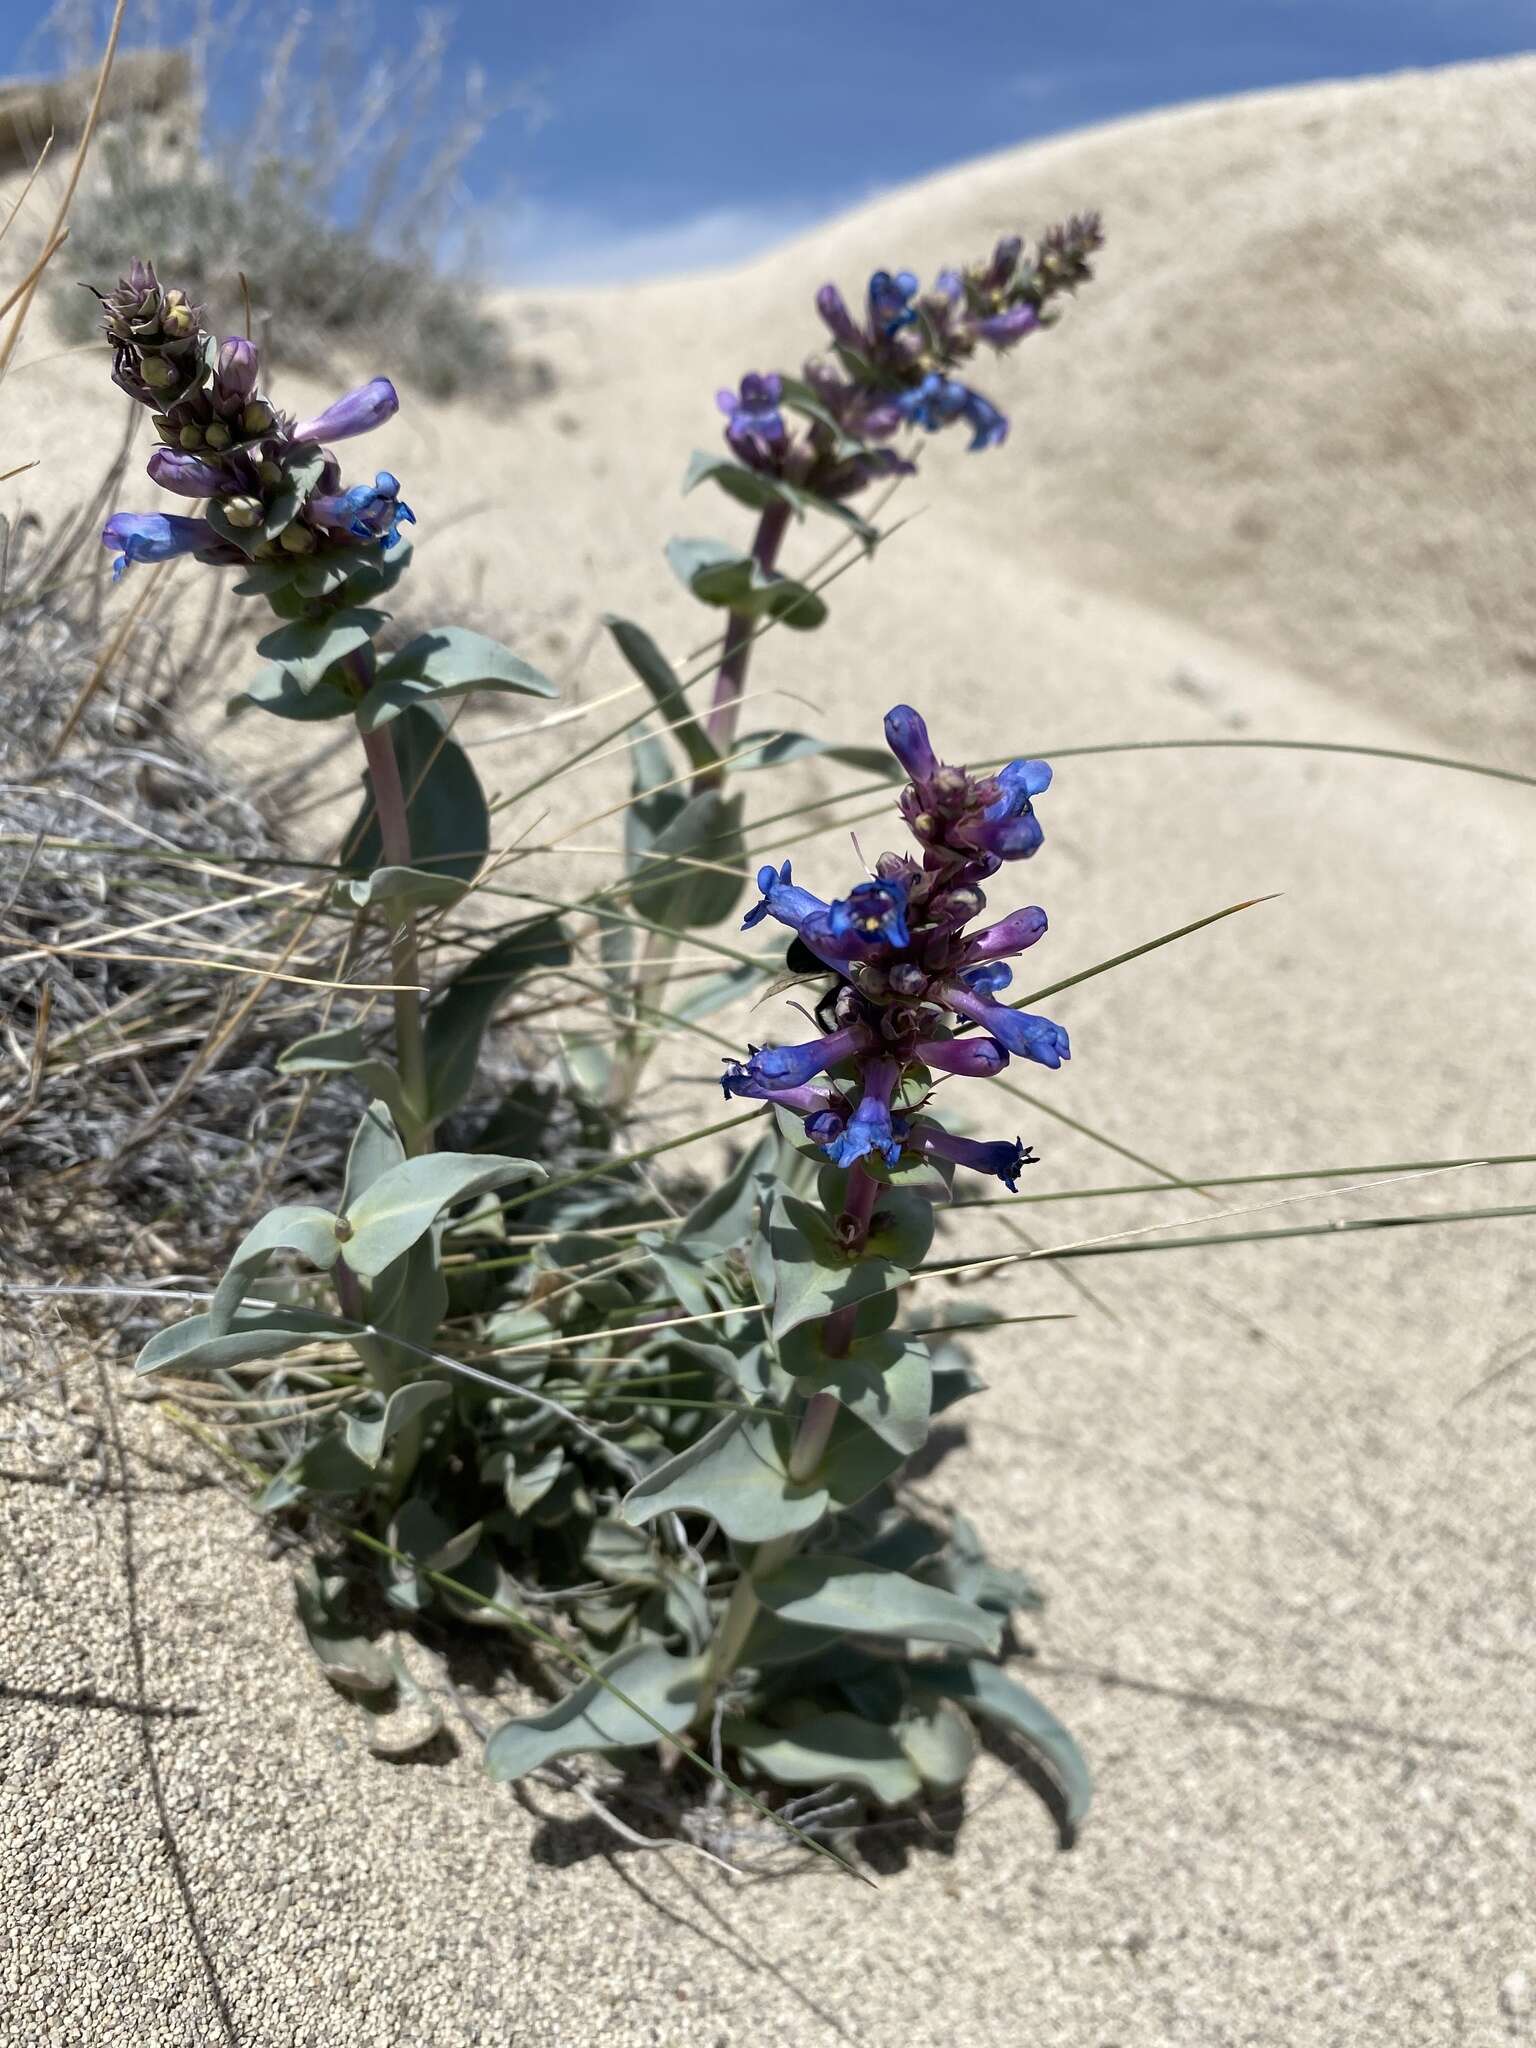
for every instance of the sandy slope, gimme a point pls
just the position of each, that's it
(1264, 482)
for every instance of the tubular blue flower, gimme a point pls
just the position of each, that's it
(987, 978)
(989, 427)
(784, 900)
(907, 737)
(949, 284)
(153, 537)
(185, 474)
(1018, 782)
(1032, 1038)
(1015, 933)
(933, 403)
(359, 412)
(977, 1058)
(371, 511)
(1006, 1160)
(791, 1066)
(871, 913)
(755, 427)
(869, 1128)
(890, 301)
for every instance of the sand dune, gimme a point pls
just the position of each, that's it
(1265, 481)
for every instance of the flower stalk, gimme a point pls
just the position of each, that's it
(410, 1038)
(731, 678)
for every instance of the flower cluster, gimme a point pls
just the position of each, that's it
(913, 976)
(262, 474)
(896, 366)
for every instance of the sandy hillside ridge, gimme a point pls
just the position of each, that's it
(1267, 479)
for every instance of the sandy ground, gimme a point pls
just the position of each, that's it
(1262, 483)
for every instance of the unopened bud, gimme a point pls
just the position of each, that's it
(908, 980)
(949, 785)
(925, 825)
(157, 373)
(177, 320)
(257, 417)
(869, 981)
(244, 511)
(298, 539)
(191, 437)
(269, 471)
(218, 435)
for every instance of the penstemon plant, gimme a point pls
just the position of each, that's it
(831, 1652)
(512, 1372)
(797, 445)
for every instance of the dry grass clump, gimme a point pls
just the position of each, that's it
(144, 902)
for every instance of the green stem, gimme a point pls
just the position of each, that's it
(395, 838)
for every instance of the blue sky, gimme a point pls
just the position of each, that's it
(673, 134)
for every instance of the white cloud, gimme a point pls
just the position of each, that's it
(542, 243)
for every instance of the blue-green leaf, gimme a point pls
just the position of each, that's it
(267, 1332)
(448, 661)
(278, 691)
(656, 672)
(752, 487)
(341, 1051)
(368, 1434)
(305, 648)
(294, 1227)
(778, 749)
(402, 891)
(457, 1022)
(718, 573)
(692, 871)
(450, 825)
(844, 1594)
(825, 1749)
(593, 1718)
(406, 1200)
(982, 1689)
(940, 1741)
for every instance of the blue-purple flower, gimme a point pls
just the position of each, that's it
(370, 511)
(755, 426)
(153, 537)
(869, 1129)
(911, 978)
(358, 412)
(1004, 1157)
(890, 301)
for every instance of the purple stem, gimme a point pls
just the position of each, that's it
(395, 839)
(720, 729)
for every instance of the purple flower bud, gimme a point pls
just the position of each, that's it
(1004, 262)
(186, 474)
(235, 378)
(756, 430)
(359, 412)
(830, 305)
(976, 1058)
(1002, 1158)
(1005, 328)
(1015, 933)
(907, 737)
(1032, 1038)
(153, 537)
